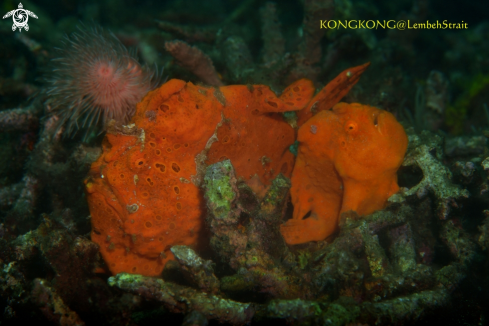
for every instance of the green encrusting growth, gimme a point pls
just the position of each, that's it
(294, 148)
(219, 189)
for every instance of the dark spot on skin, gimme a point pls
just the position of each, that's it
(151, 115)
(175, 167)
(164, 107)
(273, 104)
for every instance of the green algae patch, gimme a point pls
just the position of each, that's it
(220, 192)
(294, 148)
(122, 279)
(456, 114)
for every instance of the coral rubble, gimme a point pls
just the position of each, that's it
(356, 278)
(194, 60)
(196, 186)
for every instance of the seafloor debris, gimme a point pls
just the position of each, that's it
(198, 270)
(245, 233)
(273, 40)
(425, 153)
(391, 290)
(182, 299)
(391, 267)
(465, 146)
(484, 229)
(309, 51)
(237, 58)
(436, 92)
(279, 68)
(193, 59)
(355, 278)
(432, 100)
(53, 269)
(52, 306)
(377, 269)
(17, 119)
(189, 33)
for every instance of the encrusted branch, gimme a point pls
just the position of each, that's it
(193, 59)
(273, 40)
(17, 119)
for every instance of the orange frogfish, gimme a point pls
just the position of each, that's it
(143, 192)
(347, 161)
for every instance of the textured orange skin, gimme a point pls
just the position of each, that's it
(155, 173)
(254, 135)
(347, 161)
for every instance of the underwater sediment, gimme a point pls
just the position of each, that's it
(221, 256)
